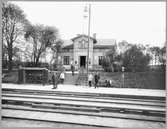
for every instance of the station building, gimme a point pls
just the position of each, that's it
(77, 52)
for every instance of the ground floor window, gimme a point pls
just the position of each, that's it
(101, 59)
(66, 60)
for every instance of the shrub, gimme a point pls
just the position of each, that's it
(134, 60)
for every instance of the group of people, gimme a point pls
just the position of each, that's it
(108, 83)
(59, 78)
(96, 78)
(56, 78)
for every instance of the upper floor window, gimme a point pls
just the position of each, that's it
(66, 60)
(101, 59)
(83, 44)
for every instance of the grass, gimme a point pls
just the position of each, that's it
(144, 80)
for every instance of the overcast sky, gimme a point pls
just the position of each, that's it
(135, 22)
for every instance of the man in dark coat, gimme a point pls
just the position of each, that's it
(96, 77)
(72, 69)
(55, 80)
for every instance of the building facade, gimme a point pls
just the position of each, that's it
(77, 53)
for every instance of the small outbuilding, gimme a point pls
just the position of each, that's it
(33, 75)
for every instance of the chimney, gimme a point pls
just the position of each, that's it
(94, 35)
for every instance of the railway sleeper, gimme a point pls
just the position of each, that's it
(110, 110)
(133, 111)
(146, 113)
(17, 102)
(64, 107)
(12, 102)
(158, 114)
(27, 103)
(4, 101)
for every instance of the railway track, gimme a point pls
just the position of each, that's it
(91, 110)
(88, 95)
(113, 100)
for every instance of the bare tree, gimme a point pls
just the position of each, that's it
(43, 37)
(13, 21)
(56, 48)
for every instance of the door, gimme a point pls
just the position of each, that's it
(82, 61)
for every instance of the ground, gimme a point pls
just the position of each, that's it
(79, 90)
(31, 123)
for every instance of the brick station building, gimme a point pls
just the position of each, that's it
(77, 52)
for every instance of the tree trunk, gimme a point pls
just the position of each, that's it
(3, 56)
(57, 57)
(36, 62)
(10, 65)
(112, 68)
(10, 54)
(2, 50)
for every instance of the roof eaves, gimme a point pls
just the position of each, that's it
(94, 40)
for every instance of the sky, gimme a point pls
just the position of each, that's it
(135, 22)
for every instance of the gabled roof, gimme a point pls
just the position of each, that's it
(106, 41)
(94, 47)
(68, 46)
(101, 43)
(103, 46)
(82, 35)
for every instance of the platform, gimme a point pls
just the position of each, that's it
(86, 89)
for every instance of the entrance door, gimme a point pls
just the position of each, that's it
(82, 61)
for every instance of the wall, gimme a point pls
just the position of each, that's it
(78, 51)
(69, 53)
(97, 53)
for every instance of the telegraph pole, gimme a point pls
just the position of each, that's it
(89, 18)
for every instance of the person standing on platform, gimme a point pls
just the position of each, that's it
(110, 83)
(62, 77)
(96, 77)
(43, 77)
(72, 69)
(54, 81)
(90, 78)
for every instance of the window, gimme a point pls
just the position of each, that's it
(83, 44)
(101, 60)
(66, 60)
